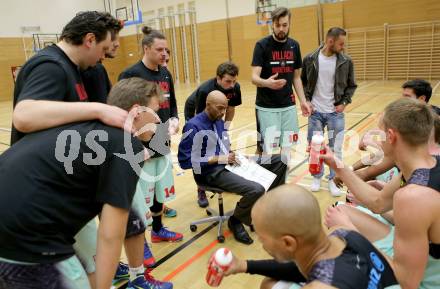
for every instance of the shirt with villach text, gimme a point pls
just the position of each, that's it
(159, 144)
(276, 57)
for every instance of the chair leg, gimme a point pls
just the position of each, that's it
(220, 236)
(220, 204)
(212, 212)
(207, 220)
(220, 217)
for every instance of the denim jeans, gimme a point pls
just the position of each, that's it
(335, 123)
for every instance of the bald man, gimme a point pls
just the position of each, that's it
(205, 149)
(343, 259)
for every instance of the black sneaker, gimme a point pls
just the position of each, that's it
(202, 200)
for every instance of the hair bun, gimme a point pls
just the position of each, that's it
(146, 30)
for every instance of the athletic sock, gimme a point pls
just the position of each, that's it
(135, 272)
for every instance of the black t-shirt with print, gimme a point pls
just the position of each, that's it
(45, 199)
(360, 265)
(276, 57)
(97, 83)
(201, 93)
(159, 144)
(49, 75)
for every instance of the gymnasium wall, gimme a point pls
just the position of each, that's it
(11, 54)
(361, 13)
(212, 29)
(244, 31)
(50, 15)
(407, 47)
(210, 10)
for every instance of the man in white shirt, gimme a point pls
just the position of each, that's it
(329, 83)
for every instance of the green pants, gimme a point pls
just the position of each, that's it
(156, 180)
(277, 127)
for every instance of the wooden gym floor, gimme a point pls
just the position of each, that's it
(184, 263)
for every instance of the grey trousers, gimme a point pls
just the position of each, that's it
(249, 190)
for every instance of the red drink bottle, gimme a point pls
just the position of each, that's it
(221, 260)
(316, 148)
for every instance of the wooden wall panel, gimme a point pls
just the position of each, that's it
(129, 46)
(361, 13)
(244, 34)
(189, 45)
(114, 67)
(11, 54)
(367, 49)
(168, 35)
(213, 47)
(402, 51)
(435, 64)
(179, 52)
(413, 51)
(421, 48)
(304, 28)
(131, 49)
(332, 15)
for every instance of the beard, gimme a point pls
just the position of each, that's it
(281, 36)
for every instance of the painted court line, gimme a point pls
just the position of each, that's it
(194, 258)
(184, 245)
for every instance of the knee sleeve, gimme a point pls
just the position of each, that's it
(135, 225)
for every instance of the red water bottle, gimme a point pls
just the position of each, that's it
(220, 262)
(316, 148)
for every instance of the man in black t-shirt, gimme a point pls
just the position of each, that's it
(167, 211)
(95, 78)
(49, 90)
(276, 66)
(52, 91)
(55, 181)
(158, 188)
(97, 85)
(225, 81)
